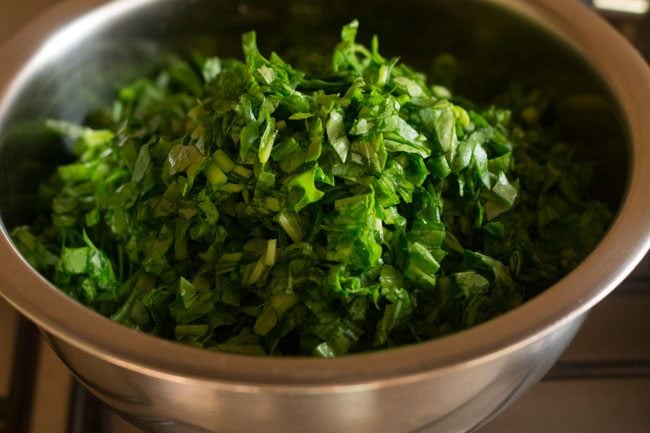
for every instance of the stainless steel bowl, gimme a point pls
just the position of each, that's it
(448, 385)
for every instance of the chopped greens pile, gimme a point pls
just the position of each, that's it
(250, 207)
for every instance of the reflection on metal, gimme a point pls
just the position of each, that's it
(639, 7)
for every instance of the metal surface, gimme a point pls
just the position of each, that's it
(452, 384)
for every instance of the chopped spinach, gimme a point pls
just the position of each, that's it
(253, 208)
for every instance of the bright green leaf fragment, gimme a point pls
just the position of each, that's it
(302, 190)
(337, 136)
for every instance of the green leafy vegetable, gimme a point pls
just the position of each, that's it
(252, 208)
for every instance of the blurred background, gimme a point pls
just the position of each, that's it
(600, 385)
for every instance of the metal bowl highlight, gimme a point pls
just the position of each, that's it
(451, 384)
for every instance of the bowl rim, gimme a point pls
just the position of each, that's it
(628, 239)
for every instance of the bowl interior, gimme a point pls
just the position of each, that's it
(79, 69)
